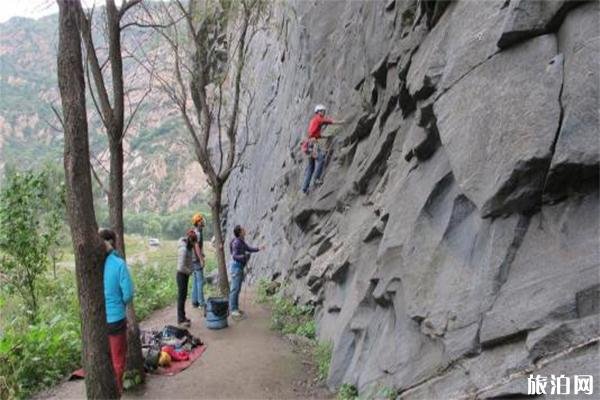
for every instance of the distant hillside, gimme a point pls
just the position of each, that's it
(161, 174)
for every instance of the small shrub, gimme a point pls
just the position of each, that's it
(39, 356)
(387, 393)
(261, 291)
(322, 356)
(347, 392)
(307, 329)
(289, 318)
(155, 288)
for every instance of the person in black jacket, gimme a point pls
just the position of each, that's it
(240, 253)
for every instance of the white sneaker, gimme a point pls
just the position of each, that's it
(236, 314)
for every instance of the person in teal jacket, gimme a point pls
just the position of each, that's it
(118, 292)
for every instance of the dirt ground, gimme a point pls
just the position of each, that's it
(244, 361)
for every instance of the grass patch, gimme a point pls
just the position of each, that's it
(155, 288)
(289, 318)
(347, 392)
(322, 356)
(262, 287)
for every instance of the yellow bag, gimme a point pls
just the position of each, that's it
(164, 360)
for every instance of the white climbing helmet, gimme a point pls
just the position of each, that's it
(320, 107)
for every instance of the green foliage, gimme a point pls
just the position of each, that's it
(307, 329)
(289, 318)
(322, 356)
(30, 219)
(34, 356)
(155, 288)
(40, 355)
(262, 297)
(347, 392)
(131, 379)
(166, 225)
(387, 393)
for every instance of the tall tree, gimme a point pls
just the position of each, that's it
(112, 115)
(29, 223)
(88, 248)
(218, 36)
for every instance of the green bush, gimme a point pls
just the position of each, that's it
(386, 392)
(40, 355)
(155, 288)
(34, 356)
(289, 318)
(261, 291)
(29, 224)
(347, 392)
(322, 356)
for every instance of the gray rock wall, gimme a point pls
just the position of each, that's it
(453, 247)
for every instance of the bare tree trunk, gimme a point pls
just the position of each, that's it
(88, 247)
(216, 208)
(206, 28)
(115, 192)
(113, 117)
(135, 359)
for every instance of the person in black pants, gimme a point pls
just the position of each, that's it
(184, 270)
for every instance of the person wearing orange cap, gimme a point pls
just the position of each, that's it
(198, 263)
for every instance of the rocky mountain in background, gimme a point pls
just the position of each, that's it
(160, 172)
(453, 247)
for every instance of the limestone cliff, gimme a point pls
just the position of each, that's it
(453, 247)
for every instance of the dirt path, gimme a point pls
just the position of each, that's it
(245, 361)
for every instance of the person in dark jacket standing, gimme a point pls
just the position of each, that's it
(240, 254)
(185, 250)
(118, 292)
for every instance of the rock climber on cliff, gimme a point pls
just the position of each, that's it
(314, 148)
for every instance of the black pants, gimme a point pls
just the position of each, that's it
(182, 289)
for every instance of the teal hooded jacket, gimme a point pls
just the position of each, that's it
(118, 287)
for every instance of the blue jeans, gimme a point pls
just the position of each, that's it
(198, 286)
(310, 168)
(237, 276)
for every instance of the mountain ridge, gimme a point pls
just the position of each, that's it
(161, 173)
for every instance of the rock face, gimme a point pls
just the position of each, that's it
(452, 249)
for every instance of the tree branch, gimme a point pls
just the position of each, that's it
(97, 179)
(62, 123)
(92, 58)
(153, 26)
(126, 6)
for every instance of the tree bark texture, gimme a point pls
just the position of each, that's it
(88, 248)
(115, 192)
(113, 118)
(216, 209)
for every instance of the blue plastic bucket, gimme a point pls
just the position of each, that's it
(219, 306)
(216, 323)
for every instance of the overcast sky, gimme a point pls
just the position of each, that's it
(34, 8)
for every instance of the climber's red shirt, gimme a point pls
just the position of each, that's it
(315, 125)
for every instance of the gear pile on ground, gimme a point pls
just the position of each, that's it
(172, 344)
